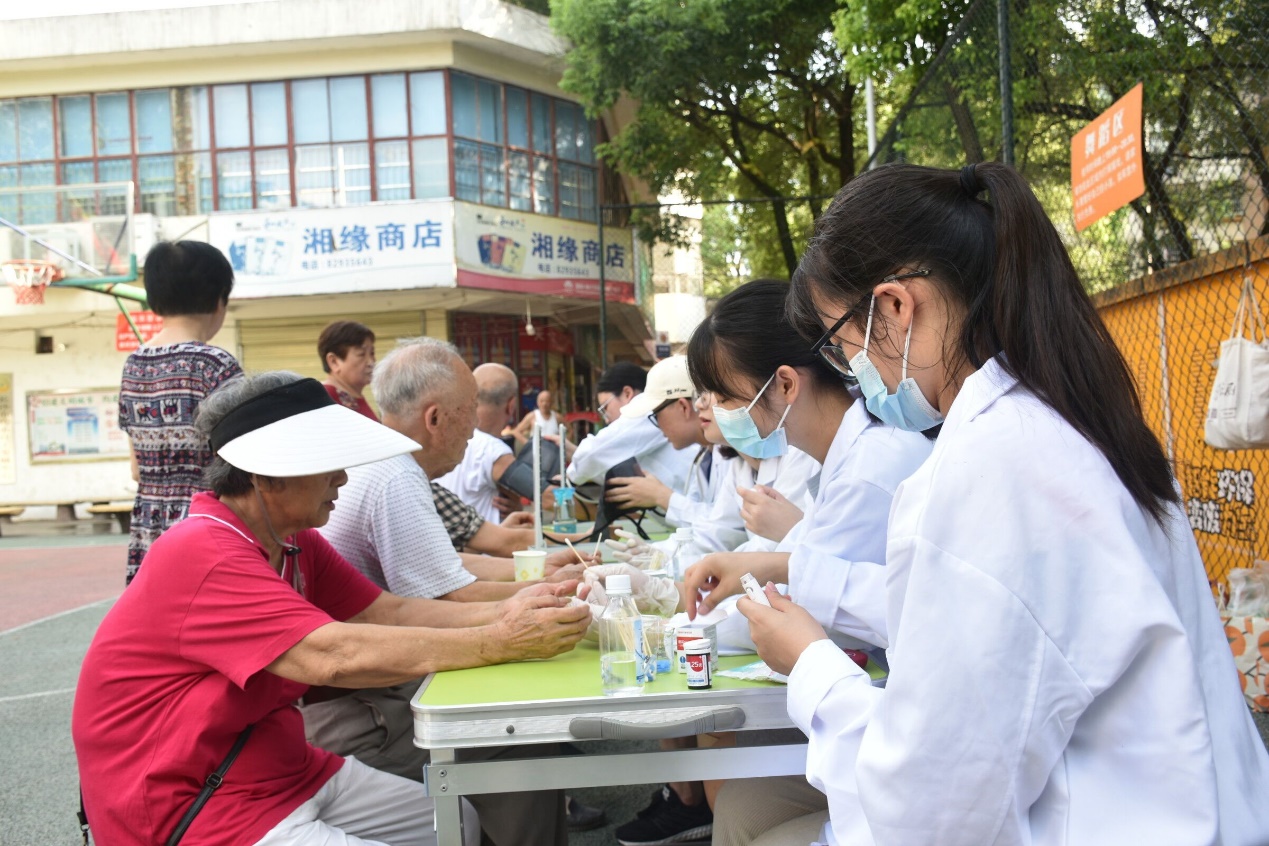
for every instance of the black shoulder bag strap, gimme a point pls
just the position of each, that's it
(214, 780)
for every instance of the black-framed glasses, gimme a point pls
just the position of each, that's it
(833, 353)
(662, 407)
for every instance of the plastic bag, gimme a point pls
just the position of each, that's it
(1249, 591)
(1238, 410)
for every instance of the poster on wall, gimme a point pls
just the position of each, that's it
(75, 425)
(374, 247)
(148, 324)
(503, 250)
(8, 436)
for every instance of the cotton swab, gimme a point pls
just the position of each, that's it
(582, 560)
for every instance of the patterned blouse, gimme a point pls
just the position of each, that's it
(162, 386)
(347, 400)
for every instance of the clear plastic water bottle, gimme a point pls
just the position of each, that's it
(685, 554)
(565, 522)
(622, 659)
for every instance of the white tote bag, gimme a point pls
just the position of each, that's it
(1238, 412)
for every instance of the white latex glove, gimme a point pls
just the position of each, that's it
(631, 549)
(651, 596)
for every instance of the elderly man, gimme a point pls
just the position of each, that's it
(475, 479)
(388, 528)
(387, 525)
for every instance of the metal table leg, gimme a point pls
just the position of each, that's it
(449, 811)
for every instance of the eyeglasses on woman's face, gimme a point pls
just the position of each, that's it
(833, 353)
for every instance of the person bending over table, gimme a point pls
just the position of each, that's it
(388, 528)
(667, 403)
(238, 610)
(771, 390)
(623, 438)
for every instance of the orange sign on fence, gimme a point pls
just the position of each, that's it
(1106, 169)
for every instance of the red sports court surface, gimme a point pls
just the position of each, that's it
(37, 582)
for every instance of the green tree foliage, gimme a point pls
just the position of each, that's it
(748, 98)
(1203, 63)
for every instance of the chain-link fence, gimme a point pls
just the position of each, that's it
(1167, 269)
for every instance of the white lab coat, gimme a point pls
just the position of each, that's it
(718, 527)
(631, 437)
(1058, 672)
(837, 561)
(692, 505)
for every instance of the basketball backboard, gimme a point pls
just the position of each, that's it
(87, 230)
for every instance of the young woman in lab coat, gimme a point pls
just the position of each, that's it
(766, 381)
(758, 369)
(1058, 672)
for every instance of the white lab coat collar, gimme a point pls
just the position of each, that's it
(983, 387)
(855, 422)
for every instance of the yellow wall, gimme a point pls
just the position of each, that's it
(1171, 340)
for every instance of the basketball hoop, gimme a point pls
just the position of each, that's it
(28, 278)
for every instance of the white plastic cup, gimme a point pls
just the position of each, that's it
(530, 564)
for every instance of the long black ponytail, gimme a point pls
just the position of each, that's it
(1003, 262)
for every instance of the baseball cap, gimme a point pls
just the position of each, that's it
(667, 380)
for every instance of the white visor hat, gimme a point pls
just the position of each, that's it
(298, 430)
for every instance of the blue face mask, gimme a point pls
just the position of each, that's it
(740, 430)
(907, 408)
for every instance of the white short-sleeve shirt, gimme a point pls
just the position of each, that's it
(472, 480)
(386, 525)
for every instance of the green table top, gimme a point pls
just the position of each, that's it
(573, 675)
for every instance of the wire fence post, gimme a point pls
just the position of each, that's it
(1006, 83)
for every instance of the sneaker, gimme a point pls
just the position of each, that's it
(667, 820)
(583, 817)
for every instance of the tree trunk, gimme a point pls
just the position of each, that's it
(965, 127)
(786, 236)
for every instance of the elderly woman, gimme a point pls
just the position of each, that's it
(347, 350)
(238, 610)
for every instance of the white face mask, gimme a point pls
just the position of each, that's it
(740, 430)
(907, 408)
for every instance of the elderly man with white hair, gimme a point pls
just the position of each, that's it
(475, 479)
(388, 528)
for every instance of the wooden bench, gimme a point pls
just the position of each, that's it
(121, 511)
(8, 512)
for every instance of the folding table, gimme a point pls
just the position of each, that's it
(561, 700)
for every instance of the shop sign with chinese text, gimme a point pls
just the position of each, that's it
(374, 247)
(505, 250)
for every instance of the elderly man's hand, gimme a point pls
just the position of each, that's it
(540, 624)
(638, 492)
(568, 572)
(518, 520)
(564, 558)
